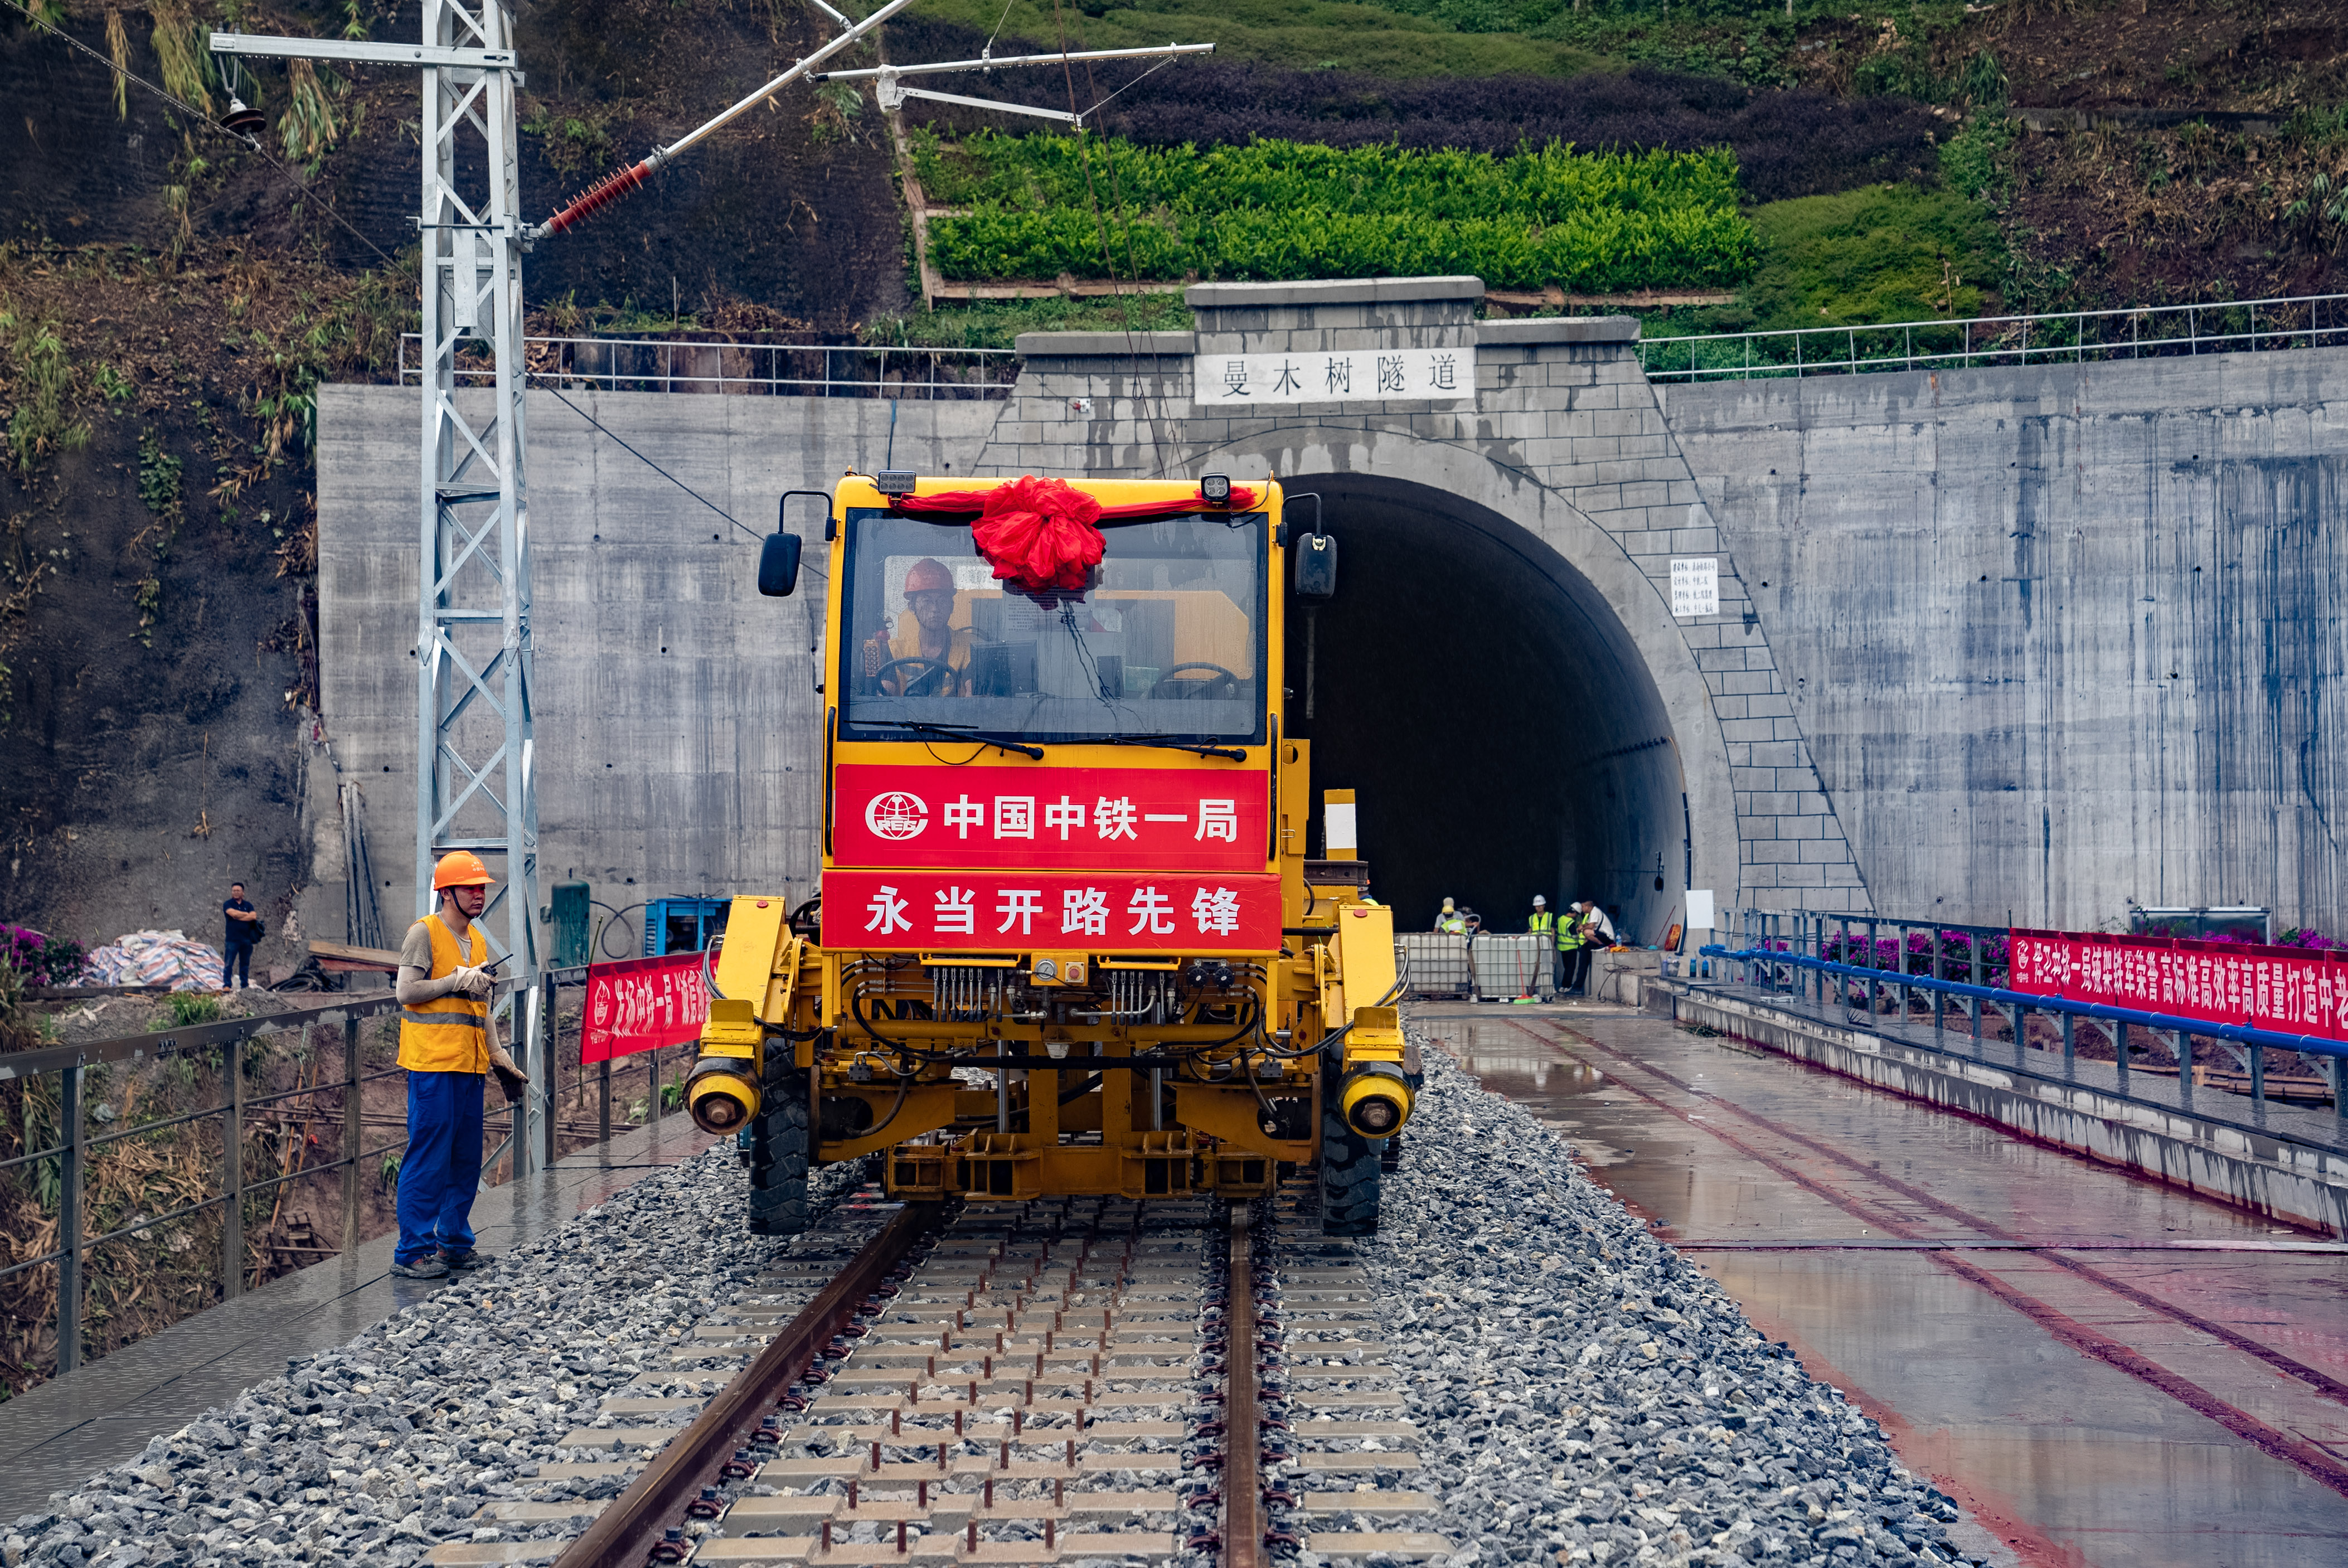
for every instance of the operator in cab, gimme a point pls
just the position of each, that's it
(929, 656)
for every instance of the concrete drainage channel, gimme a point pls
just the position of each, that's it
(1064, 1380)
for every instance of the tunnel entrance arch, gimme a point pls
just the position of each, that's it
(1499, 722)
(1548, 507)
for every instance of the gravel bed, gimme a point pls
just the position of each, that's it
(377, 1451)
(1585, 1395)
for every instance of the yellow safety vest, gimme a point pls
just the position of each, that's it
(450, 1035)
(1544, 924)
(1570, 934)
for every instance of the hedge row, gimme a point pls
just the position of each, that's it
(1797, 142)
(1035, 173)
(1598, 250)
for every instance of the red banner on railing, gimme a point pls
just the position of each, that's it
(642, 1004)
(2286, 989)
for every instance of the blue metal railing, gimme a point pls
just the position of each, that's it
(2254, 1043)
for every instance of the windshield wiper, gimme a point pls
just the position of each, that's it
(970, 732)
(1173, 744)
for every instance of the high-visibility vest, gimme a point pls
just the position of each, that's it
(451, 1034)
(1570, 934)
(1544, 922)
(1451, 925)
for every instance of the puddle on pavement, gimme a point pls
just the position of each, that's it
(2063, 1459)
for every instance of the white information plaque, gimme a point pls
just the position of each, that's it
(1362, 375)
(1695, 585)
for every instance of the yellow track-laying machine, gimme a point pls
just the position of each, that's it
(1068, 940)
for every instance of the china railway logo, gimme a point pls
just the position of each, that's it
(897, 815)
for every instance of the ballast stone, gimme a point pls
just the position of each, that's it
(1589, 1395)
(377, 1450)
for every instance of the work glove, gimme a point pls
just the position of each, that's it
(470, 981)
(510, 1077)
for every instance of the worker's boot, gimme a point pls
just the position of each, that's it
(428, 1266)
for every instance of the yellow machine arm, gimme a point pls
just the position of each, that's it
(1358, 987)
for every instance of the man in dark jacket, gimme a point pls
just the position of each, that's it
(242, 936)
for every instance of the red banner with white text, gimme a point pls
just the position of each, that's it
(1020, 912)
(2290, 990)
(642, 1004)
(1065, 818)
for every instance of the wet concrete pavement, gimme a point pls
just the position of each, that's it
(2091, 1362)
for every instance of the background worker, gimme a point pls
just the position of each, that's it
(443, 1044)
(1571, 954)
(1598, 930)
(1543, 924)
(242, 936)
(1450, 920)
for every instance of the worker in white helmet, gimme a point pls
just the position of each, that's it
(1451, 921)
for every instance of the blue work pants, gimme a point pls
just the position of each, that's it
(442, 1168)
(236, 964)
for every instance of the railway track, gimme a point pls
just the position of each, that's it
(1055, 1381)
(2273, 1400)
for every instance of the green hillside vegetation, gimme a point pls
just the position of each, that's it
(1279, 210)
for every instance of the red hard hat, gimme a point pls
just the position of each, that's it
(459, 867)
(928, 576)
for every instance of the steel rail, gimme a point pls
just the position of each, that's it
(1242, 1427)
(623, 1534)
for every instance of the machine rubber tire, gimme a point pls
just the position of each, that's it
(1390, 1153)
(1349, 1179)
(780, 1148)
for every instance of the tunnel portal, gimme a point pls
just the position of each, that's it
(1504, 735)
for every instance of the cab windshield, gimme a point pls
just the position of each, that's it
(1167, 644)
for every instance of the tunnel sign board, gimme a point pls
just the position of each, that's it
(1695, 585)
(1323, 376)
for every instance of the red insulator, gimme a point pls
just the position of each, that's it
(601, 194)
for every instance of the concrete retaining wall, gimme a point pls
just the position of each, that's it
(2286, 1179)
(2058, 637)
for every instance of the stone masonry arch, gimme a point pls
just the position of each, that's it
(1563, 460)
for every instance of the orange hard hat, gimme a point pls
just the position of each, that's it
(459, 867)
(928, 576)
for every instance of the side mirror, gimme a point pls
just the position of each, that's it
(779, 565)
(1316, 568)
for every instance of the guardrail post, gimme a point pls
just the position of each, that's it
(602, 1095)
(354, 1134)
(1939, 998)
(549, 1054)
(232, 1173)
(2070, 1041)
(653, 1105)
(2120, 1054)
(1975, 1004)
(2257, 1076)
(69, 1221)
(2180, 1044)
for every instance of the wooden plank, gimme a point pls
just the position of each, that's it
(344, 958)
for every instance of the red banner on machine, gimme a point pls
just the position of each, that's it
(642, 1004)
(2290, 990)
(1020, 912)
(1070, 819)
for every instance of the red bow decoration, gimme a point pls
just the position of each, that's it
(1041, 534)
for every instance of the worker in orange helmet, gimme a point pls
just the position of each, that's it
(446, 1046)
(929, 656)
